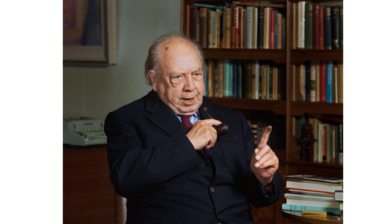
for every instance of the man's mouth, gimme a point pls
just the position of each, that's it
(188, 100)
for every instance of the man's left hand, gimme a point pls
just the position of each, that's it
(264, 162)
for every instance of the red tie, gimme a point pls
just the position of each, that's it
(186, 122)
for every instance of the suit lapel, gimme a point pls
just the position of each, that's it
(162, 116)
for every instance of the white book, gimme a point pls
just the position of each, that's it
(324, 204)
(255, 79)
(309, 197)
(301, 25)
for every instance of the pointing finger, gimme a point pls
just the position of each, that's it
(264, 139)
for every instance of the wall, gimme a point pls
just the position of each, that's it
(94, 91)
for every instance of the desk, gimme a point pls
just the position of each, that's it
(297, 216)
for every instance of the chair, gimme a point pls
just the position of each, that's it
(120, 209)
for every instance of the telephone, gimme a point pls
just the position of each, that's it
(83, 131)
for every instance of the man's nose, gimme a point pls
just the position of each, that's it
(189, 83)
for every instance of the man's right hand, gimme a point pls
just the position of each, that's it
(203, 134)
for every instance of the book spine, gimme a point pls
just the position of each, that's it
(312, 81)
(198, 26)
(333, 144)
(337, 144)
(328, 141)
(228, 78)
(340, 143)
(235, 78)
(324, 136)
(228, 27)
(247, 84)
(340, 82)
(255, 29)
(302, 81)
(295, 24)
(244, 17)
(255, 79)
(263, 82)
(272, 29)
(331, 155)
(335, 82)
(276, 30)
(236, 27)
(279, 33)
(327, 27)
(315, 26)
(221, 78)
(322, 70)
(320, 143)
(206, 79)
(249, 26)
(193, 12)
(215, 78)
(203, 27)
(260, 27)
(335, 27)
(279, 89)
(301, 208)
(341, 27)
(266, 28)
(239, 85)
(301, 25)
(212, 35)
(267, 81)
(321, 29)
(329, 81)
(240, 28)
(309, 25)
(275, 83)
(307, 81)
(218, 30)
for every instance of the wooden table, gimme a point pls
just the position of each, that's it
(297, 216)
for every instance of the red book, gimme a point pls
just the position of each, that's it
(322, 81)
(236, 27)
(321, 30)
(315, 26)
(272, 29)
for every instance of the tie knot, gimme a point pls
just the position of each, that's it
(186, 122)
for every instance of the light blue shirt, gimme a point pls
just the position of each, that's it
(193, 118)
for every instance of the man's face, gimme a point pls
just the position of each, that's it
(181, 85)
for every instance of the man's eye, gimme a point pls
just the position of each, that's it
(197, 74)
(178, 77)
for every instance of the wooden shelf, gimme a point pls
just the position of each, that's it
(300, 108)
(277, 55)
(300, 56)
(277, 106)
(312, 164)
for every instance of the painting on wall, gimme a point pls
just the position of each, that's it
(90, 31)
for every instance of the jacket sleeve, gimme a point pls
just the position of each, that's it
(254, 192)
(136, 171)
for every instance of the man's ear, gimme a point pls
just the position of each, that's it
(153, 76)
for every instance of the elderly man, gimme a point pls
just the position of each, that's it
(166, 158)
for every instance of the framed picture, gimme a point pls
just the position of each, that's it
(90, 33)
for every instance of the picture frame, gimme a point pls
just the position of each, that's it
(107, 52)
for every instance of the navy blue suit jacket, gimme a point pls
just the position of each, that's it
(165, 180)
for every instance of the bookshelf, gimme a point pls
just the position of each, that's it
(289, 107)
(290, 57)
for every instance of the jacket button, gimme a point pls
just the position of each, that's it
(208, 163)
(212, 189)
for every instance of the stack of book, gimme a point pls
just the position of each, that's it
(317, 25)
(238, 25)
(318, 81)
(313, 193)
(328, 136)
(250, 79)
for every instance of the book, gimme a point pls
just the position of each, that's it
(235, 78)
(247, 80)
(314, 183)
(236, 27)
(232, 31)
(275, 83)
(329, 81)
(322, 82)
(244, 34)
(294, 83)
(325, 136)
(270, 81)
(215, 77)
(272, 29)
(246, 3)
(262, 87)
(228, 27)
(338, 195)
(300, 123)
(255, 79)
(315, 26)
(210, 78)
(208, 6)
(266, 28)
(308, 197)
(340, 144)
(241, 28)
(340, 27)
(314, 214)
(325, 204)
(240, 81)
(320, 147)
(212, 30)
(249, 26)
(279, 33)
(300, 208)
(313, 83)
(295, 24)
(337, 144)
(218, 28)
(260, 32)
(206, 79)
(327, 27)
(321, 30)
(335, 27)
(220, 78)
(340, 81)
(307, 81)
(254, 40)
(308, 25)
(228, 78)
(203, 27)
(313, 193)
(193, 25)
(335, 83)
(279, 89)
(301, 25)
(333, 143)
(283, 31)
